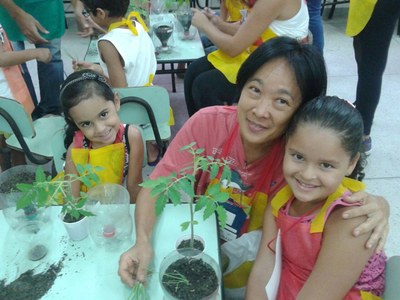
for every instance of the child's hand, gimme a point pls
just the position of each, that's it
(43, 55)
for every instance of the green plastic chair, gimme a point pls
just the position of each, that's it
(148, 107)
(33, 138)
(392, 287)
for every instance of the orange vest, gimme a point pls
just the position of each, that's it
(15, 79)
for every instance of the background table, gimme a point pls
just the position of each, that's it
(90, 272)
(181, 51)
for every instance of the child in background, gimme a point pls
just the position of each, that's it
(12, 85)
(127, 54)
(320, 257)
(230, 11)
(95, 135)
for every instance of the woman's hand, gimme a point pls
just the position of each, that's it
(377, 211)
(133, 264)
(200, 19)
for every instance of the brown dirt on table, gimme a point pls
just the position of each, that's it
(10, 185)
(29, 286)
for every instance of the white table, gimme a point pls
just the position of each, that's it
(89, 272)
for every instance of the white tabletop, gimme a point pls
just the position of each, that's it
(90, 272)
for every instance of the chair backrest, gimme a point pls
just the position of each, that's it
(392, 286)
(148, 107)
(58, 149)
(15, 118)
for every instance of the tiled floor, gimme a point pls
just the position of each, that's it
(383, 173)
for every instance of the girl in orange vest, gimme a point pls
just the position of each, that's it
(12, 85)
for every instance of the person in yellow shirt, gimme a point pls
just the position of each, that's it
(371, 24)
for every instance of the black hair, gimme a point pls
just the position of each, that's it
(115, 8)
(77, 87)
(339, 115)
(305, 60)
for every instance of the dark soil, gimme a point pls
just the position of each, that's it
(10, 185)
(29, 286)
(70, 219)
(201, 277)
(185, 244)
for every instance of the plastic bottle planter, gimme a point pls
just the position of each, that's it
(112, 224)
(184, 17)
(9, 195)
(77, 231)
(184, 242)
(189, 275)
(163, 31)
(34, 238)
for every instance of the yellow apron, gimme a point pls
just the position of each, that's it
(360, 11)
(111, 158)
(228, 65)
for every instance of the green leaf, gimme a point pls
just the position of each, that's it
(185, 225)
(149, 183)
(24, 187)
(214, 171)
(222, 216)
(160, 204)
(86, 213)
(98, 169)
(200, 203)
(24, 201)
(199, 151)
(174, 195)
(209, 210)
(186, 186)
(159, 190)
(86, 181)
(80, 169)
(42, 196)
(214, 189)
(94, 177)
(226, 173)
(39, 175)
(187, 146)
(221, 197)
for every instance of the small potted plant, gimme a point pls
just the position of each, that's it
(9, 195)
(45, 192)
(182, 270)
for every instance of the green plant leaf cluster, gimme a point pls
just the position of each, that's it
(45, 191)
(138, 292)
(181, 184)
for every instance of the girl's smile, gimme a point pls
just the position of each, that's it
(97, 118)
(315, 162)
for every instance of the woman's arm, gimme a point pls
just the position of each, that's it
(340, 262)
(377, 211)
(260, 17)
(70, 168)
(115, 64)
(134, 176)
(265, 260)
